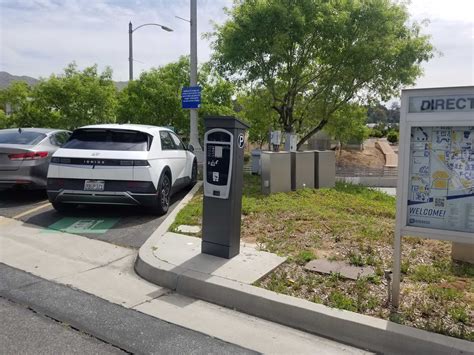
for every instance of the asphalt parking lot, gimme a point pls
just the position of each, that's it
(127, 226)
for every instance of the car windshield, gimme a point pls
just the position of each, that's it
(21, 137)
(107, 139)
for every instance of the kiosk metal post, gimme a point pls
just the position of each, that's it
(223, 174)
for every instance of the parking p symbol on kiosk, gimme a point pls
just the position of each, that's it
(224, 141)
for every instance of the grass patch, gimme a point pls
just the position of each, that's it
(304, 257)
(426, 273)
(191, 214)
(353, 224)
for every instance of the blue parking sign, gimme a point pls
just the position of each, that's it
(191, 97)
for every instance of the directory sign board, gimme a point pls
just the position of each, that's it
(441, 178)
(435, 189)
(436, 164)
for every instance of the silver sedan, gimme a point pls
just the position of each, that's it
(25, 154)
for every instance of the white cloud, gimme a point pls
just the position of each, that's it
(451, 26)
(39, 37)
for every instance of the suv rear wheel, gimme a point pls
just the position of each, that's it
(194, 173)
(163, 195)
(63, 207)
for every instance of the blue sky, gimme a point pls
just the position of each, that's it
(39, 37)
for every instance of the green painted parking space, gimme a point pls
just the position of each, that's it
(128, 226)
(83, 225)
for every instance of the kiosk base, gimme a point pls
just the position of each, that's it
(222, 251)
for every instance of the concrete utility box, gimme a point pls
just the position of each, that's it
(276, 172)
(324, 168)
(256, 168)
(224, 140)
(302, 170)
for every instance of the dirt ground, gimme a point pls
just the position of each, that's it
(370, 157)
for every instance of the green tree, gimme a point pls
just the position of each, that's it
(155, 98)
(76, 98)
(3, 120)
(378, 114)
(17, 98)
(315, 56)
(256, 110)
(348, 124)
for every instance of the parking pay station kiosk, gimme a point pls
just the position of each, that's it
(223, 173)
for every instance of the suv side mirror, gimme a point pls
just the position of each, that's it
(191, 148)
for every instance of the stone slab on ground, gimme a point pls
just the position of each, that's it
(184, 253)
(326, 266)
(189, 229)
(463, 252)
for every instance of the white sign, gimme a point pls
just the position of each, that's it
(241, 140)
(435, 195)
(435, 189)
(451, 103)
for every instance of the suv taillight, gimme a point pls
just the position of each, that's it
(28, 156)
(141, 163)
(134, 163)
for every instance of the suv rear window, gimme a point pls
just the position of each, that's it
(25, 137)
(108, 139)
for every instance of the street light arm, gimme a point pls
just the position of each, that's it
(153, 24)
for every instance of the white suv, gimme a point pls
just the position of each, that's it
(121, 165)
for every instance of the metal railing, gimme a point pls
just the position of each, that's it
(365, 171)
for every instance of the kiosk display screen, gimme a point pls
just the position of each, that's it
(218, 163)
(441, 178)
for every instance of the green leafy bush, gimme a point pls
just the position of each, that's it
(392, 136)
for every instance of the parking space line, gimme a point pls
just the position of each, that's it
(31, 211)
(4, 220)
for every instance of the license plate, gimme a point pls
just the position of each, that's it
(94, 185)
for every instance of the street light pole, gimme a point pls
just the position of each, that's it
(193, 115)
(130, 51)
(130, 43)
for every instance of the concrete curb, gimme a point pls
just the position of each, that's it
(343, 326)
(146, 263)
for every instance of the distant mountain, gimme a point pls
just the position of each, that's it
(6, 79)
(120, 85)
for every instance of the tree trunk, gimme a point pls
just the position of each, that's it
(316, 129)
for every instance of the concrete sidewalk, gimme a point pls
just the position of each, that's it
(106, 271)
(115, 326)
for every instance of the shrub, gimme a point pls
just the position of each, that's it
(392, 136)
(246, 157)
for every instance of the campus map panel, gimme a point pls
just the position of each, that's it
(441, 180)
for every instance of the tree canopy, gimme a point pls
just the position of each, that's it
(255, 108)
(77, 97)
(348, 124)
(155, 98)
(81, 97)
(69, 100)
(315, 56)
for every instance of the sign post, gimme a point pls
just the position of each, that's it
(435, 190)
